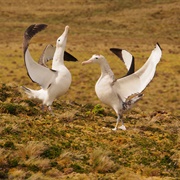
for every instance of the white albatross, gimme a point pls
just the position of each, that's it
(121, 94)
(54, 82)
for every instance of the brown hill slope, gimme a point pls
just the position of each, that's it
(77, 143)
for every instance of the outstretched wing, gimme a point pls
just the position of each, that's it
(39, 74)
(126, 57)
(48, 54)
(30, 32)
(137, 82)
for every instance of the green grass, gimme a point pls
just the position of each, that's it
(77, 142)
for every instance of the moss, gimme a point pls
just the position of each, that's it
(168, 162)
(32, 111)
(30, 102)
(98, 110)
(3, 174)
(52, 152)
(4, 92)
(66, 144)
(9, 144)
(13, 162)
(16, 109)
(54, 131)
(54, 164)
(145, 142)
(77, 168)
(33, 168)
(12, 108)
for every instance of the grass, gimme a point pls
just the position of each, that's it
(77, 142)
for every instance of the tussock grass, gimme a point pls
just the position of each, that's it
(80, 142)
(17, 174)
(101, 161)
(3, 156)
(32, 149)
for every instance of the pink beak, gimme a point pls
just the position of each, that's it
(87, 62)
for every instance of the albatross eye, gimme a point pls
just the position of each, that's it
(58, 40)
(96, 58)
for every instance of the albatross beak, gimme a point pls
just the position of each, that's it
(87, 62)
(66, 31)
(66, 28)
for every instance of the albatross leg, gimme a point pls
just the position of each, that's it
(117, 123)
(42, 107)
(122, 126)
(50, 109)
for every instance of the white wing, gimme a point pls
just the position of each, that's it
(38, 73)
(126, 57)
(137, 82)
(47, 54)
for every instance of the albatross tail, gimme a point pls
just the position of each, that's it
(36, 94)
(131, 100)
(28, 92)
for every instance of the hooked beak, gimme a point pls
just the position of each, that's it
(87, 62)
(66, 31)
(66, 28)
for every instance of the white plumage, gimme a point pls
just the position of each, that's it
(121, 93)
(54, 82)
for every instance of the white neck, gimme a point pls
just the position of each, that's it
(106, 70)
(58, 58)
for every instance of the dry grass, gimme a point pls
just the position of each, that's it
(101, 161)
(3, 156)
(16, 174)
(77, 143)
(31, 150)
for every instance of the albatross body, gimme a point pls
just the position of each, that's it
(121, 94)
(54, 82)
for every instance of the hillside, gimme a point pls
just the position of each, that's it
(77, 142)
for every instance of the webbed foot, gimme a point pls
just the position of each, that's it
(122, 127)
(114, 129)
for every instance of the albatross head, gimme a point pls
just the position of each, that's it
(61, 41)
(94, 59)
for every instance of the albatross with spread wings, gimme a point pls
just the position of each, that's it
(54, 82)
(122, 93)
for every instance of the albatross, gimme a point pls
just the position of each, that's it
(122, 93)
(54, 82)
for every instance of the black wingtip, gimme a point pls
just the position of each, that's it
(69, 57)
(30, 32)
(132, 67)
(117, 52)
(33, 29)
(159, 46)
